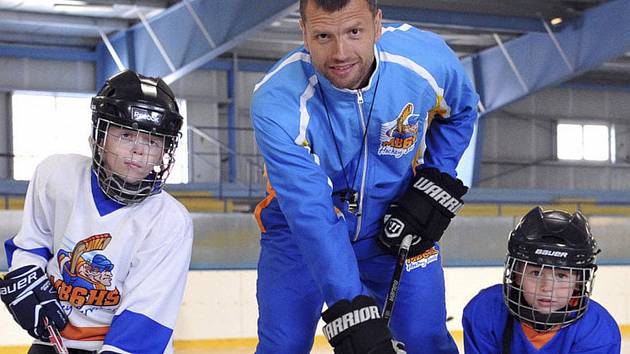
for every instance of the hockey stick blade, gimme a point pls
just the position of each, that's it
(393, 289)
(55, 338)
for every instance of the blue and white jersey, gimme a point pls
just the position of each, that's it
(120, 271)
(486, 314)
(313, 138)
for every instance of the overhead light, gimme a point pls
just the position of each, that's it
(556, 21)
(80, 6)
(70, 2)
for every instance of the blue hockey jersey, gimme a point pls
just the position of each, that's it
(486, 314)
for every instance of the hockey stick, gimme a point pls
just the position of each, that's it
(55, 338)
(93, 243)
(393, 289)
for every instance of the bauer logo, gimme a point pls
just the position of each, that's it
(20, 284)
(557, 254)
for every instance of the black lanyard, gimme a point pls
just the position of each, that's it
(349, 194)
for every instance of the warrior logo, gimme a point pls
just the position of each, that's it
(398, 137)
(350, 319)
(393, 227)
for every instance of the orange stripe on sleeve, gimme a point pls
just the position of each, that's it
(271, 193)
(84, 333)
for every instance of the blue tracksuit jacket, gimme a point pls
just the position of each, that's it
(311, 135)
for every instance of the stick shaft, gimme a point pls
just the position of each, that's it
(395, 284)
(55, 338)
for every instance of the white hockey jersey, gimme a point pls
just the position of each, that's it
(120, 271)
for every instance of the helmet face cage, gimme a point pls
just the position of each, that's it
(549, 268)
(113, 147)
(135, 131)
(544, 296)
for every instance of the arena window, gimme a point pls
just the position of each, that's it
(589, 142)
(46, 123)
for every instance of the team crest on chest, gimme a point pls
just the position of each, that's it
(399, 136)
(87, 274)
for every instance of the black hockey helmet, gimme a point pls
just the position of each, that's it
(563, 244)
(138, 102)
(553, 237)
(144, 106)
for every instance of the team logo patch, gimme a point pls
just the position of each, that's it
(86, 274)
(399, 136)
(422, 260)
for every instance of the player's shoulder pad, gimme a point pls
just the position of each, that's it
(63, 161)
(598, 320)
(61, 166)
(177, 211)
(486, 310)
(488, 298)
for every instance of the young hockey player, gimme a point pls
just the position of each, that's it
(103, 252)
(544, 305)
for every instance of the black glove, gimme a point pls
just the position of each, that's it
(357, 328)
(424, 211)
(30, 297)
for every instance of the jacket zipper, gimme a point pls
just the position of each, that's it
(365, 157)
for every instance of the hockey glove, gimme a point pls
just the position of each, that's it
(357, 328)
(29, 296)
(424, 211)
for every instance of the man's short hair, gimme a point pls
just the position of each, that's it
(332, 5)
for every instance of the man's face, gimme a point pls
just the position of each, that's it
(548, 289)
(130, 154)
(341, 43)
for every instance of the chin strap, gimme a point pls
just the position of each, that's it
(507, 334)
(124, 192)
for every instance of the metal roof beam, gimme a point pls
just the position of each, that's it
(46, 41)
(47, 53)
(599, 35)
(462, 20)
(182, 39)
(158, 4)
(65, 21)
(534, 61)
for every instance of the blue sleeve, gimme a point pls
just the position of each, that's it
(450, 132)
(10, 247)
(304, 194)
(483, 333)
(136, 333)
